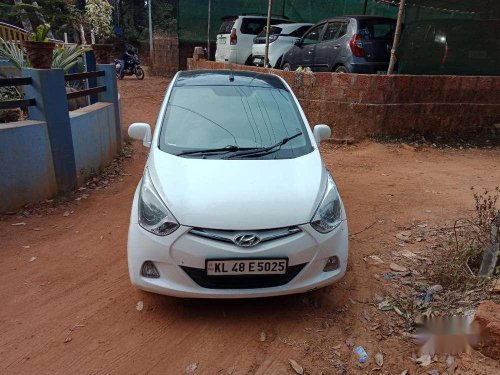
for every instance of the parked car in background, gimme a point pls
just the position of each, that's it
(281, 38)
(235, 37)
(235, 200)
(450, 46)
(351, 44)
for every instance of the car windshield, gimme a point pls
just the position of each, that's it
(213, 117)
(273, 30)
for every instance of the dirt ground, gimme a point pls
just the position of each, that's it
(66, 304)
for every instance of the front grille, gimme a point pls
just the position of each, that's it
(201, 278)
(229, 235)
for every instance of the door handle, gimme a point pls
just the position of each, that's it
(337, 46)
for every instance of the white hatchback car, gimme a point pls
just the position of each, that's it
(235, 37)
(235, 200)
(281, 39)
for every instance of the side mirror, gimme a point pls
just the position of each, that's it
(321, 132)
(142, 132)
(297, 42)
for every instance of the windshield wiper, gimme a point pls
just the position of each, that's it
(265, 150)
(228, 148)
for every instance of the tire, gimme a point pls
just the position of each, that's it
(341, 69)
(249, 60)
(139, 73)
(287, 67)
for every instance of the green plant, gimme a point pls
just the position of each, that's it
(14, 54)
(63, 57)
(40, 34)
(66, 57)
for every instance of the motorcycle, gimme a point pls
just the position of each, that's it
(133, 66)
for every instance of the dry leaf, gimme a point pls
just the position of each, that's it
(397, 268)
(379, 359)
(139, 306)
(296, 367)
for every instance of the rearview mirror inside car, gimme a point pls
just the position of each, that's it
(142, 132)
(321, 132)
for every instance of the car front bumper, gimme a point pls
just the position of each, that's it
(181, 250)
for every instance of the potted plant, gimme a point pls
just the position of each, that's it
(98, 14)
(39, 48)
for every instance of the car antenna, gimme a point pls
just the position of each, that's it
(231, 75)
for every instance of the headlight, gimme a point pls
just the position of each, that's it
(154, 216)
(328, 214)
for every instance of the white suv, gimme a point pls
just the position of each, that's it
(281, 39)
(235, 37)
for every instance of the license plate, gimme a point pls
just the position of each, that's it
(222, 40)
(221, 267)
(258, 61)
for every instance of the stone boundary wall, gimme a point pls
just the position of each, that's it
(356, 106)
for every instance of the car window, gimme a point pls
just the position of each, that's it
(253, 25)
(312, 36)
(300, 31)
(343, 30)
(226, 27)
(273, 30)
(377, 29)
(201, 117)
(331, 31)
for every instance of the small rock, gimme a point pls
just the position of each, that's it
(379, 359)
(397, 268)
(434, 289)
(26, 246)
(18, 224)
(424, 360)
(296, 367)
(66, 214)
(191, 368)
(404, 372)
(433, 372)
(67, 339)
(262, 336)
(404, 235)
(32, 259)
(139, 306)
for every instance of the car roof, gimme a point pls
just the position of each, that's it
(292, 25)
(360, 18)
(222, 78)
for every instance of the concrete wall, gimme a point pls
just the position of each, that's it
(445, 108)
(26, 166)
(94, 138)
(57, 150)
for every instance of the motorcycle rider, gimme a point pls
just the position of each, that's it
(127, 56)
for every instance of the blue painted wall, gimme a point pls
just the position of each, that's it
(26, 167)
(94, 138)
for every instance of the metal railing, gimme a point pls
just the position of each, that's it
(81, 77)
(16, 103)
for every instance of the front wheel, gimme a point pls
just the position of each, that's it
(139, 73)
(287, 67)
(341, 69)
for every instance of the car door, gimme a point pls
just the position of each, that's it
(328, 49)
(303, 53)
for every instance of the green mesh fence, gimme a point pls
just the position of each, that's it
(192, 16)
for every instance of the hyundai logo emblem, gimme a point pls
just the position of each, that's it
(246, 239)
